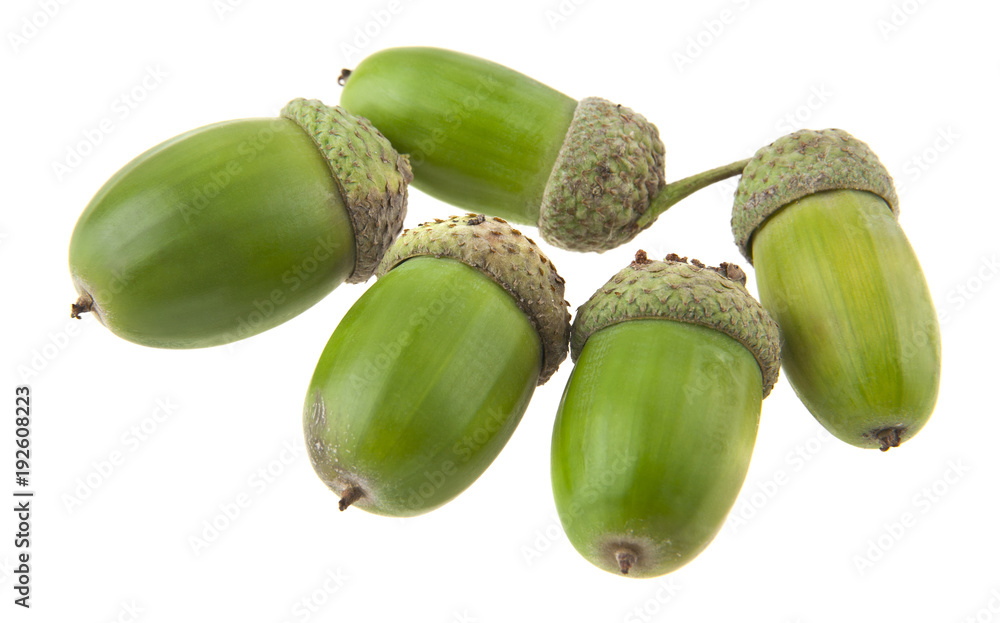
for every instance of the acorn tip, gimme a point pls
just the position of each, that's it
(82, 305)
(351, 495)
(626, 560)
(888, 438)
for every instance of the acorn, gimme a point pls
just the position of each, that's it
(816, 214)
(657, 424)
(589, 173)
(235, 227)
(426, 377)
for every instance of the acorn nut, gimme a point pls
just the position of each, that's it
(657, 424)
(426, 377)
(816, 214)
(486, 138)
(235, 227)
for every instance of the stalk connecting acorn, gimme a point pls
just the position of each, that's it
(428, 374)
(657, 424)
(816, 213)
(236, 227)
(588, 173)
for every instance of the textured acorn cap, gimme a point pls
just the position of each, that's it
(371, 176)
(607, 173)
(801, 164)
(694, 293)
(507, 256)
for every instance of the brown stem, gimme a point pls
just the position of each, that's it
(352, 494)
(626, 559)
(344, 75)
(82, 305)
(888, 438)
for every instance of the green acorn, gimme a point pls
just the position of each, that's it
(816, 214)
(657, 424)
(486, 138)
(428, 374)
(233, 228)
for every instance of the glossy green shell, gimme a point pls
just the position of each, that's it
(420, 387)
(213, 236)
(494, 141)
(479, 135)
(652, 442)
(861, 342)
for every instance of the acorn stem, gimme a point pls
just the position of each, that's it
(626, 559)
(82, 305)
(352, 494)
(676, 191)
(888, 438)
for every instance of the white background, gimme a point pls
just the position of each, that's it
(817, 540)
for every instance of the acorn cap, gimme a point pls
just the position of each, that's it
(608, 171)
(507, 256)
(370, 174)
(713, 297)
(801, 164)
